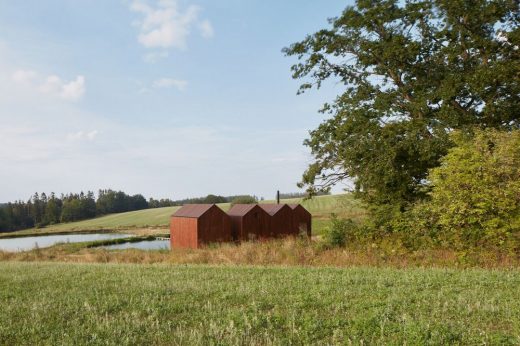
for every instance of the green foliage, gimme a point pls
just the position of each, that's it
(78, 207)
(110, 201)
(244, 200)
(214, 199)
(412, 72)
(476, 190)
(17, 216)
(40, 210)
(4, 221)
(340, 232)
(336, 235)
(475, 197)
(160, 203)
(53, 210)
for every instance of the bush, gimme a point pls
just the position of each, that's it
(475, 196)
(340, 232)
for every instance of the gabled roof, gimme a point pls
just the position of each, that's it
(272, 209)
(241, 209)
(298, 206)
(193, 210)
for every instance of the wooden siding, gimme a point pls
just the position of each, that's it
(183, 232)
(282, 223)
(198, 225)
(253, 224)
(214, 227)
(302, 220)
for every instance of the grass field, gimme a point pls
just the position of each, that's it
(382, 295)
(109, 304)
(321, 207)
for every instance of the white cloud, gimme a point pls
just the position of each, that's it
(170, 83)
(24, 76)
(82, 135)
(206, 29)
(92, 134)
(73, 90)
(51, 85)
(165, 26)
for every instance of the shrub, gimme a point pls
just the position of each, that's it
(416, 227)
(475, 196)
(340, 232)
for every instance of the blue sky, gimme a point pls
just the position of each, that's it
(166, 98)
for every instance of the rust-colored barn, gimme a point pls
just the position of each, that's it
(248, 222)
(302, 219)
(194, 225)
(281, 219)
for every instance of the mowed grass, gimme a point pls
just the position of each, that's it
(53, 304)
(320, 207)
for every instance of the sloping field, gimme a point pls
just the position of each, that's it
(135, 219)
(114, 304)
(321, 207)
(325, 205)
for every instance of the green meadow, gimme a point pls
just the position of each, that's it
(106, 304)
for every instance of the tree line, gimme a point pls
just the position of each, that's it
(214, 199)
(42, 209)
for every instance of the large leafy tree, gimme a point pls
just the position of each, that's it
(412, 71)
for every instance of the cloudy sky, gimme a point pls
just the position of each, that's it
(166, 98)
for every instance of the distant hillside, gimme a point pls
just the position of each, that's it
(321, 207)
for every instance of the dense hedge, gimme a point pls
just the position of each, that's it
(475, 194)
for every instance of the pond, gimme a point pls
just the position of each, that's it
(142, 245)
(29, 243)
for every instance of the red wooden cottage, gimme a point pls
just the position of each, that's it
(302, 219)
(281, 219)
(194, 225)
(248, 222)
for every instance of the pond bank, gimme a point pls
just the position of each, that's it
(43, 232)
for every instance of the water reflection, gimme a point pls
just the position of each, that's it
(29, 243)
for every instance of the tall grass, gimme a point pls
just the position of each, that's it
(64, 304)
(285, 252)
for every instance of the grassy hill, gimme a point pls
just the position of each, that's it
(114, 304)
(321, 207)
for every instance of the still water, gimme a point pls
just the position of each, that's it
(29, 243)
(142, 245)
